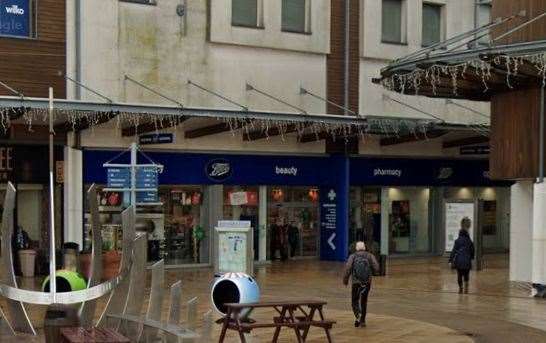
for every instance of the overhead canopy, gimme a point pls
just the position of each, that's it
(134, 119)
(473, 74)
(463, 67)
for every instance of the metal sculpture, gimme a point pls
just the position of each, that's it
(125, 290)
(15, 307)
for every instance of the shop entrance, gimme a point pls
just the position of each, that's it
(293, 218)
(409, 229)
(241, 203)
(365, 218)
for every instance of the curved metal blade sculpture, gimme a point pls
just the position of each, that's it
(125, 290)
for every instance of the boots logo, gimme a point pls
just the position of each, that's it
(218, 170)
(445, 173)
(15, 9)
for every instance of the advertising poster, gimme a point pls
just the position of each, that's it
(454, 213)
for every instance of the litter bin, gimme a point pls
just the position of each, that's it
(27, 259)
(58, 317)
(67, 281)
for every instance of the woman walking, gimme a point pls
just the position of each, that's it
(462, 255)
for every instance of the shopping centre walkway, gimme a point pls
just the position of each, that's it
(417, 302)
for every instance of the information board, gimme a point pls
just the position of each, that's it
(454, 213)
(146, 177)
(119, 177)
(234, 250)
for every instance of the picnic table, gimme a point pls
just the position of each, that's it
(296, 315)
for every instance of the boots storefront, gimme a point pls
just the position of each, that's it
(298, 206)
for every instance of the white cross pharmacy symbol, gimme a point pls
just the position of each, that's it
(332, 195)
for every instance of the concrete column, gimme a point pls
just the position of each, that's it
(539, 234)
(521, 231)
(262, 226)
(358, 208)
(385, 221)
(214, 198)
(73, 196)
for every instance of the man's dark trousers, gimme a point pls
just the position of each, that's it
(360, 300)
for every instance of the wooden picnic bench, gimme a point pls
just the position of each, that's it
(296, 315)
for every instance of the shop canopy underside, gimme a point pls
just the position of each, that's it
(136, 119)
(476, 73)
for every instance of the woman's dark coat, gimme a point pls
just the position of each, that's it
(463, 252)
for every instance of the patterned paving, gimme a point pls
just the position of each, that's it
(417, 302)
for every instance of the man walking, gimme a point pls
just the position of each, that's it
(360, 267)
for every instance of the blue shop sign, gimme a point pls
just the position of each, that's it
(15, 18)
(203, 169)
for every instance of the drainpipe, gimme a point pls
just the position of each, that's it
(77, 47)
(541, 138)
(76, 143)
(347, 51)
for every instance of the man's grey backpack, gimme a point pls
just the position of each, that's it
(361, 269)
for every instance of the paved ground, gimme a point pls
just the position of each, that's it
(417, 302)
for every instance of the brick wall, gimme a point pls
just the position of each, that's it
(31, 66)
(336, 58)
(336, 69)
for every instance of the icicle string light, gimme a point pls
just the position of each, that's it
(433, 75)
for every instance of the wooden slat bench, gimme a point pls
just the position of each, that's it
(236, 319)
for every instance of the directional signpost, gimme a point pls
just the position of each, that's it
(139, 180)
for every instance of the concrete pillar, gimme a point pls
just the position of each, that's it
(358, 208)
(521, 231)
(214, 198)
(539, 234)
(262, 226)
(73, 196)
(385, 204)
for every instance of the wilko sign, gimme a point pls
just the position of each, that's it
(15, 18)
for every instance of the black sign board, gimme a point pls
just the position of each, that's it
(156, 138)
(475, 150)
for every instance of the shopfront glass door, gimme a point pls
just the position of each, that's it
(293, 215)
(242, 203)
(408, 211)
(365, 218)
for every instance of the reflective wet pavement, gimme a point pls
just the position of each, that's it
(417, 302)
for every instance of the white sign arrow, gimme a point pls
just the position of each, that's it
(330, 241)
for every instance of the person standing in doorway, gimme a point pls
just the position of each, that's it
(462, 255)
(360, 267)
(293, 239)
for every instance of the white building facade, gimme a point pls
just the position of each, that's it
(241, 49)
